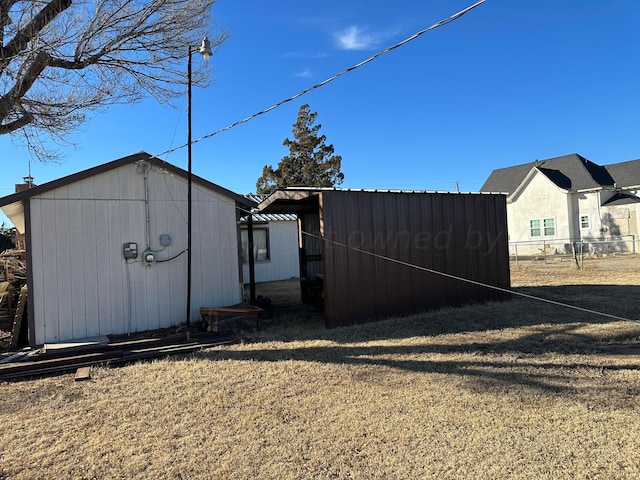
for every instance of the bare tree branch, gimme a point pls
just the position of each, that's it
(22, 38)
(63, 59)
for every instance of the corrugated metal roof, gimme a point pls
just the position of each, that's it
(272, 217)
(303, 199)
(370, 190)
(267, 217)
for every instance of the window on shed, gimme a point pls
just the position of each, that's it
(584, 222)
(260, 244)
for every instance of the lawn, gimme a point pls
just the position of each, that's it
(518, 389)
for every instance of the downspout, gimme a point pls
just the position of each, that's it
(599, 212)
(146, 168)
(148, 255)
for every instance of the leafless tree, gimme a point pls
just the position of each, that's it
(62, 59)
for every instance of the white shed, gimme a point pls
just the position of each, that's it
(275, 245)
(88, 236)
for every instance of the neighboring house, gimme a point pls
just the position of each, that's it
(553, 203)
(106, 249)
(275, 245)
(374, 254)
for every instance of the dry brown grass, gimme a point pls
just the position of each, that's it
(516, 389)
(614, 270)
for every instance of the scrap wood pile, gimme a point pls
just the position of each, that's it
(13, 279)
(13, 266)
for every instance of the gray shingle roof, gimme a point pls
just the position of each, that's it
(625, 174)
(569, 172)
(621, 199)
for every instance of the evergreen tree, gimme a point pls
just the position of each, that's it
(310, 163)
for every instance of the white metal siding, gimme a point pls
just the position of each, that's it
(82, 285)
(283, 260)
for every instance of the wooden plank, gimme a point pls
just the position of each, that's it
(39, 368)
(83, 373)
(241, 308)
(17, 322)
(212, 315)
(14, 358)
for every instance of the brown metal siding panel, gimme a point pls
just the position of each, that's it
(460, 234)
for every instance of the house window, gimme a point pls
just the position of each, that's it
(545, 227)
(260, 244)
(585, 224)
(549, 227)
(534, 228)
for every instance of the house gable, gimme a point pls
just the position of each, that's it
(544, 182)
(537, 198)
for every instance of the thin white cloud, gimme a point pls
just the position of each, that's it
(306, 73)
(305, 55)
(356, 38)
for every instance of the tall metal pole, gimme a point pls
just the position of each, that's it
(189, 204)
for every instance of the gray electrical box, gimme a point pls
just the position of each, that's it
(165, 239)
(130, 250)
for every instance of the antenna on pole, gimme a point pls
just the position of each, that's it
(28, 180)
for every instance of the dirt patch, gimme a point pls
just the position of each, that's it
(283, 293)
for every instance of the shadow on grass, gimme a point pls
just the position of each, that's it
(493, 364)
(596, 304)
(495, 343)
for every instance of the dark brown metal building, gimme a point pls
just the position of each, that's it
(381, 253)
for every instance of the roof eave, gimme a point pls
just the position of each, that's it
(136, 157)
(15, 213)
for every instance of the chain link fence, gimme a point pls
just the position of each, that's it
(558, 250)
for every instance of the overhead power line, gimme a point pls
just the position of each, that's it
(331, 79)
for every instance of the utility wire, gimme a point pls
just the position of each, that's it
(331, 79)
(467, 280)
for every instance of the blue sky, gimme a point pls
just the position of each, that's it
(508, 83)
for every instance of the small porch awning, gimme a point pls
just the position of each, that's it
(621, 199)
(291, 201)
